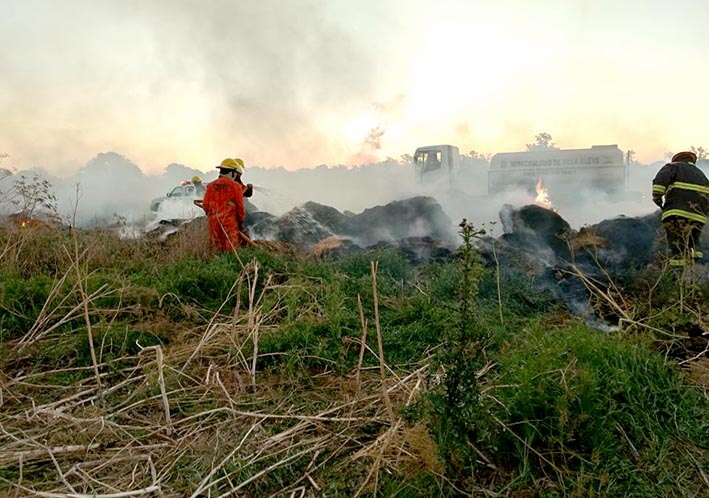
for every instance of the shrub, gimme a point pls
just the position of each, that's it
(580, 405)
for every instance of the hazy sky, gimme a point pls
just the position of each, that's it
(297, 83)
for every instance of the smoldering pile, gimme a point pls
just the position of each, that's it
(539, 244)
(418, 227)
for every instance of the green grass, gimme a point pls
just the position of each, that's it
(578, 408)
(21, 300)
(560, 410)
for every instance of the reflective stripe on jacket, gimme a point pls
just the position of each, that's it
(686, 191)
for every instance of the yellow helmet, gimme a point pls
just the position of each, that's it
(232, 164)
(196, 179)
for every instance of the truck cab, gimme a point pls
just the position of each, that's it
(179, 201)
(437, 163)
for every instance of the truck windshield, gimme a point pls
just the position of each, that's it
(429, 160)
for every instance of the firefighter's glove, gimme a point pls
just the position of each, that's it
(249, 190)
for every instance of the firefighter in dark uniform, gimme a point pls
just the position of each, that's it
(685, 189)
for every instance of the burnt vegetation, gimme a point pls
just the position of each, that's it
(138, 367)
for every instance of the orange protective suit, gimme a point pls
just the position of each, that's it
(224, 205)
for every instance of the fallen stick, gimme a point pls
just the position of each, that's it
(247, 239)
(44, 453)
(382, 371)
(123, 494)
(363, 345)
(161, 382)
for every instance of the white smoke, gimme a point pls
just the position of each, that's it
(111, 188)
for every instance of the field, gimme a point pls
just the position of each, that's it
(146, 368)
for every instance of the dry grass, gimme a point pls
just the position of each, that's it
(697, 372)
(158, 428)
(588, 239)
(325, 246)
(198, 418)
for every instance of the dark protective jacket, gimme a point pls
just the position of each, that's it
(686, 192)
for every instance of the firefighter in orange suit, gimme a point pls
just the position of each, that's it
(682, 191)
(224, 205)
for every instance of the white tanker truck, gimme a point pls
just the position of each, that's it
(563, 171)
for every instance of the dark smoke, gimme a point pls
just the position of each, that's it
(374, 138)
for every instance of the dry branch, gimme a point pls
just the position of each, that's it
(161, 382)
(382, 373)
(7, 458)
(125, 494)
(363, 323)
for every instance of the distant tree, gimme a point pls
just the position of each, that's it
(701, 152)
(542, 141)
(473, 154)
(630, 157)
(34, 195)
(406, 159)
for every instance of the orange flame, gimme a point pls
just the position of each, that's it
(542, 196)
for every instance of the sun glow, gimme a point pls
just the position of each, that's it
(357, 129)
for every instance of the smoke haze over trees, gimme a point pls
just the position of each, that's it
(111, 185)
(305, 82)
